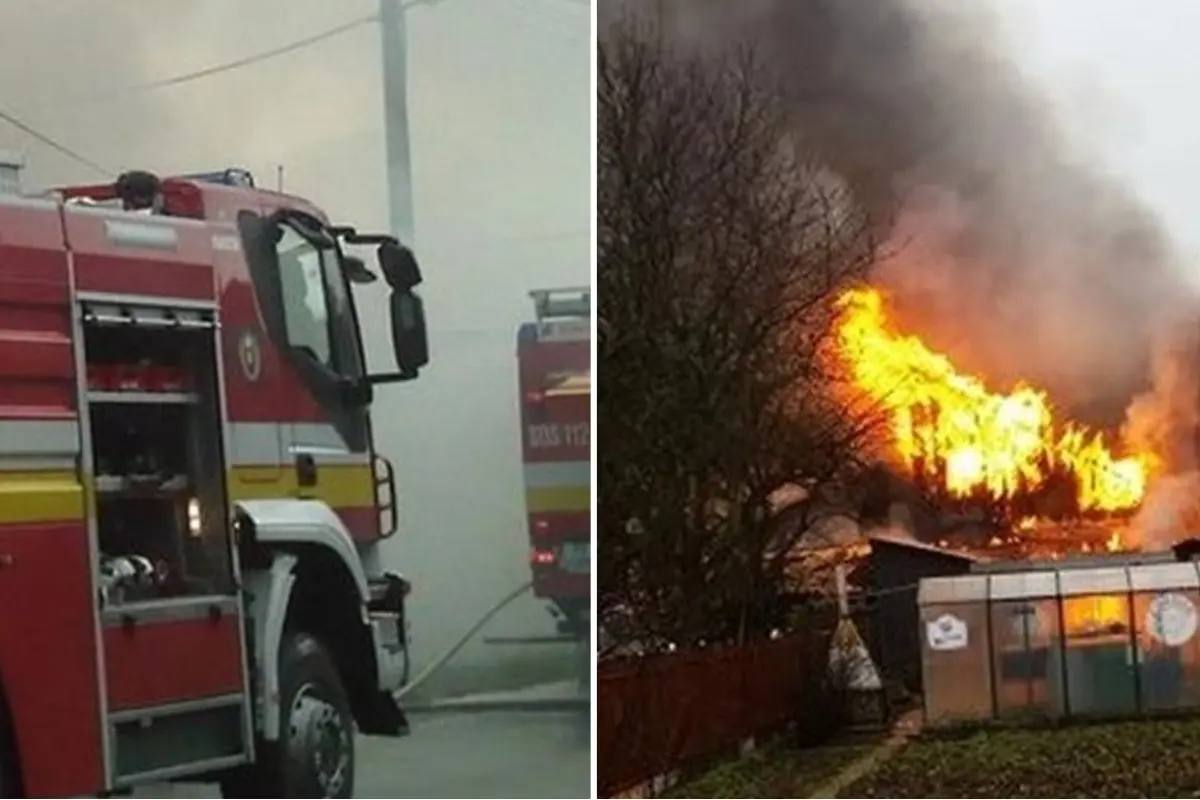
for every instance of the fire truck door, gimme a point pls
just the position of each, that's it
(328, 442)
(311, 319)
(328, 469)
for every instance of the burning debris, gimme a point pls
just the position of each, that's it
(1029, 538)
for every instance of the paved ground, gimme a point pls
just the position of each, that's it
(493, 754)
(560, 694)
(467, 754)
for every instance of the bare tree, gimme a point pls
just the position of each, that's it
(723, 244)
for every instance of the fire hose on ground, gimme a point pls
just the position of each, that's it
(491, 703)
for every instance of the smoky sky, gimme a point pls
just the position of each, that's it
(1008, 244)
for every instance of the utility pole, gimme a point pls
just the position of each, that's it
(393, 38)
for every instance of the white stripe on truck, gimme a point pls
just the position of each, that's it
(552, 474)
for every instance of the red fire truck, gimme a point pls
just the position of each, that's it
(554, 362)
(191, 504)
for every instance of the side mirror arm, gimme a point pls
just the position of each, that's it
(392, 377)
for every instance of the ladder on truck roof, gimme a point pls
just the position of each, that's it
(563, 315)
(570, 302)
(570, 385)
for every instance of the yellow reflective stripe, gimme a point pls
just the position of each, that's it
(39, 496)
(339, 485)
(36, 496)
(558, 498)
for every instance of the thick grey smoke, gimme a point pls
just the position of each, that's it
(1013, 251)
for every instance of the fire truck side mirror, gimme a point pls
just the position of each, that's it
(409, 338)
(399, 265)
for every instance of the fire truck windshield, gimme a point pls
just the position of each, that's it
(306, 313)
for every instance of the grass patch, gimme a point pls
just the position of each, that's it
(1147, 758)
(777, 769)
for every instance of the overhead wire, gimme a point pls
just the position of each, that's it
(53, 144)
(187, 77)
(274, 52)
(194, 75)
(264, 55)
(221, 67)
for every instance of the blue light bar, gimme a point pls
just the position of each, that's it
(234, 176)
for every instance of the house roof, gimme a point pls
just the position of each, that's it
(895, 540)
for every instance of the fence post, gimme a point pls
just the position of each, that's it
(843, 591)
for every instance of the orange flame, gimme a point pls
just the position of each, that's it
(951, 427)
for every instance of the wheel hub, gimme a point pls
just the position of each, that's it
(317, 736)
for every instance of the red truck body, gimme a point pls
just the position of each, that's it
(554, 362)
(83, 678)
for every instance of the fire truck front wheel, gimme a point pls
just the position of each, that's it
(314, 753)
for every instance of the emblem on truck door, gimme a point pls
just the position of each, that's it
(250, 355)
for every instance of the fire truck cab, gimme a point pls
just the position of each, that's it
(554, 363)
(191, 505)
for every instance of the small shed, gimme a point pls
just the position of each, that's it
(1100, 640)
(894, 568)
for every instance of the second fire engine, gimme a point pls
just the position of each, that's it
(554, 363)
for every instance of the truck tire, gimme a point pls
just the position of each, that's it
(314, 754)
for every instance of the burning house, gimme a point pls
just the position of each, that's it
(986, 471)
(967, 446)
(986, 482)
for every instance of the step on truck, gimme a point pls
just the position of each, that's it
(191, 503)
(554, 364)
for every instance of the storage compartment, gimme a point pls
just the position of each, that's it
(171, 651)
(155, 416)
(176, 740)
(172, 634)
